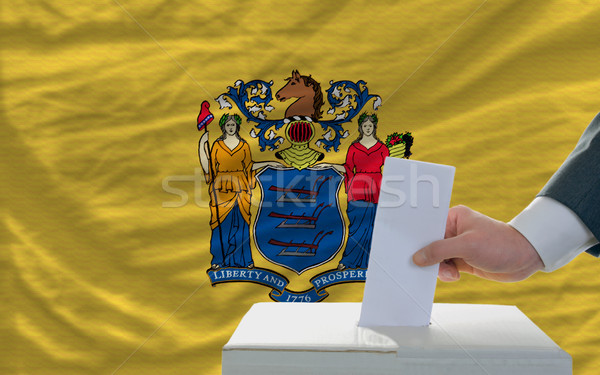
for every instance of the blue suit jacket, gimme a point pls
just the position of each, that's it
(576, 184)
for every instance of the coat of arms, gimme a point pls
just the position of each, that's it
(299, 226)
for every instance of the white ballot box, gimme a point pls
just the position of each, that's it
(324, 338)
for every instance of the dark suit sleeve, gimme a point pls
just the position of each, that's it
(576, 184)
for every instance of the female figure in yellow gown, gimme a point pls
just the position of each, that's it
(230, 173)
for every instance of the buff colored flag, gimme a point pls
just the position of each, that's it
(104, 264)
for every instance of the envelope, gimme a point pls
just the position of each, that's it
(411, 213)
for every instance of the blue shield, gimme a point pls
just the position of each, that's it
(299, 224)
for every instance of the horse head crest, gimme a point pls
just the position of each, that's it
(345, 98)
(308, 93)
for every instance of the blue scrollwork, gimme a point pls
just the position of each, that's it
(345, 105)
(253, 100)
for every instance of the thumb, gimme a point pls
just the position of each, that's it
(439, 251)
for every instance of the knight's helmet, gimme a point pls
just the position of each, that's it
(300, 130)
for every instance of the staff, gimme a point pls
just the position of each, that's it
(205, 118)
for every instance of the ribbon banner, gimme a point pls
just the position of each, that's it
(278, 282)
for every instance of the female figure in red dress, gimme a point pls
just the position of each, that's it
(364, 162)
(362, 180)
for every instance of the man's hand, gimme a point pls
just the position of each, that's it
(482, 246)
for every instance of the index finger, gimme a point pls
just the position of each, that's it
(438, 251)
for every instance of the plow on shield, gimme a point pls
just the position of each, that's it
(299, 224)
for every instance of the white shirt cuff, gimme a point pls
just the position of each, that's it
(556, 232)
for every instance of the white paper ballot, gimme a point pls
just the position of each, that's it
(411, 213)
